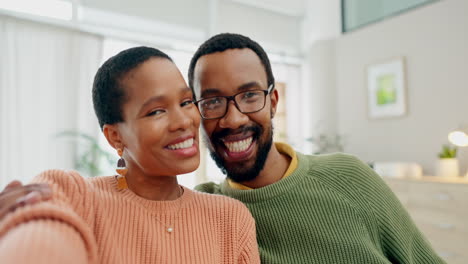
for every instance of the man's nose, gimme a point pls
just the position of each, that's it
(233, 118)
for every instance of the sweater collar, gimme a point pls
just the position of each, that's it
(158, 207)
(283, 148)
(272, 190)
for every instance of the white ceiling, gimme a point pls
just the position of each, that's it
(274, 23)
(283, 27)
(287, 7)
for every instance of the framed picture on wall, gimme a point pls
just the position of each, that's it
(386, 89)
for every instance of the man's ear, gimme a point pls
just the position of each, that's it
(113, 136)
(274, 102)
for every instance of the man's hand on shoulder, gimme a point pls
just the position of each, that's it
(208, 187)
(17, 195)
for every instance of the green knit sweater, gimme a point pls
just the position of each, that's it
(331, 209)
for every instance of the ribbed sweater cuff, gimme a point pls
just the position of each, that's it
(46, 210)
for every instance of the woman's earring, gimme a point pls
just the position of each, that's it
(122, 171)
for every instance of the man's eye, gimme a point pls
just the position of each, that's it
(248, 95)
(212, 102)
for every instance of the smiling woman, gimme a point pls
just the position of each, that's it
(143, 215)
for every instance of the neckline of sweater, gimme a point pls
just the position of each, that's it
(157, 207)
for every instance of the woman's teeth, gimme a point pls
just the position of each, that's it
(238, 146)
(184, 144)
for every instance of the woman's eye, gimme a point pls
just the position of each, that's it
(156, 112)
(185, 103)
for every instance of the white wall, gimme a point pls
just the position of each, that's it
(322, 21)
(321, 60)
(46, 75)
(275, 32)
(434, 41)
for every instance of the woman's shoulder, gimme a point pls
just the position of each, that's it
(66, 179)
(70, 181)
(69, 177)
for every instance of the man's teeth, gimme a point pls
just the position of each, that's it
(184, 144)
(239, 146)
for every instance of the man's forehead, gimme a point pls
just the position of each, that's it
(236, 67)
(230, 57)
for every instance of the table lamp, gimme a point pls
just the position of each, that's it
(459, 138)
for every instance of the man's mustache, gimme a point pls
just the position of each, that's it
(216, 136)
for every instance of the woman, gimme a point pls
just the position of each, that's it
(147, 114)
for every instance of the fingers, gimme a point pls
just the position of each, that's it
(31, 198)
(42, 189)
(17, 191)
(15, 196)
(13, 184)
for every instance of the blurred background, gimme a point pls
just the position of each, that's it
(385, 80)
(321, 52)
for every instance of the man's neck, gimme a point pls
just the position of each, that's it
(275, 167)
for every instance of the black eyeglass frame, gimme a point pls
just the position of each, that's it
(231, 98)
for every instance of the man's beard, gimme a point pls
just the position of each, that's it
(239, 172)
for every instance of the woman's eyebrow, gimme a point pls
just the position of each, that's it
(186, 90)
(153, 99)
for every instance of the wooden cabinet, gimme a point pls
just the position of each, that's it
(440, 209)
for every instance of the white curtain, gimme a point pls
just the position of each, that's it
(46, 75)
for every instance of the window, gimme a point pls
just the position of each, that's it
(56, 9)
(358, 13)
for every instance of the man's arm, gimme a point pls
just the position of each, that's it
(208, 187)
(402, 241)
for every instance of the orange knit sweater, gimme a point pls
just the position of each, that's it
(91, 221)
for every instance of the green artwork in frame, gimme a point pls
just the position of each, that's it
(386, 89)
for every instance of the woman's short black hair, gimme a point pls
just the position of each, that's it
(225, 41)
(108, 93)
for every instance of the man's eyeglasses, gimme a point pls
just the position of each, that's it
(246, 102)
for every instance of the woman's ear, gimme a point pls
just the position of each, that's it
(113, 136)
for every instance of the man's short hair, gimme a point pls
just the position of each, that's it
(225, 41)
(108, 92)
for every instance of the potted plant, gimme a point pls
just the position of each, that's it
(447, 165)
(327, 143)
(92, 160)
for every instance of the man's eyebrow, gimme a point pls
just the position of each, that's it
(209, 92)
(246, 86)
(249, 85)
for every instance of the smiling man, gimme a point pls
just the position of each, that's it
(237, 109)
(308, 209)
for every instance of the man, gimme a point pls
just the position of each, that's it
(308, 209)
